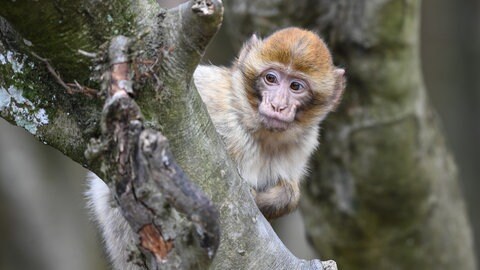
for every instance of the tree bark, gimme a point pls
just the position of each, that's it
(47, 85)
(383, 192)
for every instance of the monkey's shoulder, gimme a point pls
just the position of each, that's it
(212, 79)
(214, 86)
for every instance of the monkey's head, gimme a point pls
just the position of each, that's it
(290, 78)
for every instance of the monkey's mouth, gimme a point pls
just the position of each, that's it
(274, 123)
(276, 120)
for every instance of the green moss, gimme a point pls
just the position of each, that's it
(397, 23)
(389, 202)
(68, 26)
(389, 176)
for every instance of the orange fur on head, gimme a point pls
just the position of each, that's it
(299, 49)
(294, 50)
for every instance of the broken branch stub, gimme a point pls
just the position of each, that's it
(149, 186)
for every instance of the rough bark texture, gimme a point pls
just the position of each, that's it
(177, 225)
(383, 192)
(43, 52)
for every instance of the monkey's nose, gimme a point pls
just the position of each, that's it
(278, 107)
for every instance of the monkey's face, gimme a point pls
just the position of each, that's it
(281, 95)
(290, 80)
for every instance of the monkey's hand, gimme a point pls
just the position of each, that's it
(278, 200)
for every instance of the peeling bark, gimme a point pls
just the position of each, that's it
(153, 241)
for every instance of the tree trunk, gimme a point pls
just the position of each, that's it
(383, 192)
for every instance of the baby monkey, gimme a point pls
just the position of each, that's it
(268, 106)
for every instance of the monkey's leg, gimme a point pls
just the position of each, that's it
(278, 200)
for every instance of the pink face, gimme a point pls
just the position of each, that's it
(282, 94)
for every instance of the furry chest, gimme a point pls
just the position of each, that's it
(262, 170)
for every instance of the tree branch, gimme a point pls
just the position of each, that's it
(147, 180)
(33, 99)
(167, 46)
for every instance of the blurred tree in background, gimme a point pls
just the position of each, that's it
(50, 229)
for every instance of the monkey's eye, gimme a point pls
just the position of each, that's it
(271, 78)
(296, 86)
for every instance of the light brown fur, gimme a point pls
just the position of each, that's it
(272, 161)
(278, 200)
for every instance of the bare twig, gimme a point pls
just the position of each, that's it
(87, 54)
(71, 88)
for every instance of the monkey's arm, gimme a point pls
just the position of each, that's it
(278, 200)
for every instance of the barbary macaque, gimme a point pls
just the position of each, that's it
(267, 108)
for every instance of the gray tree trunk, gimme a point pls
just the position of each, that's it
(47, 86)
(383, 192)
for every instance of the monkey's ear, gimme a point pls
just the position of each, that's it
(252, 42)
(340, 83)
